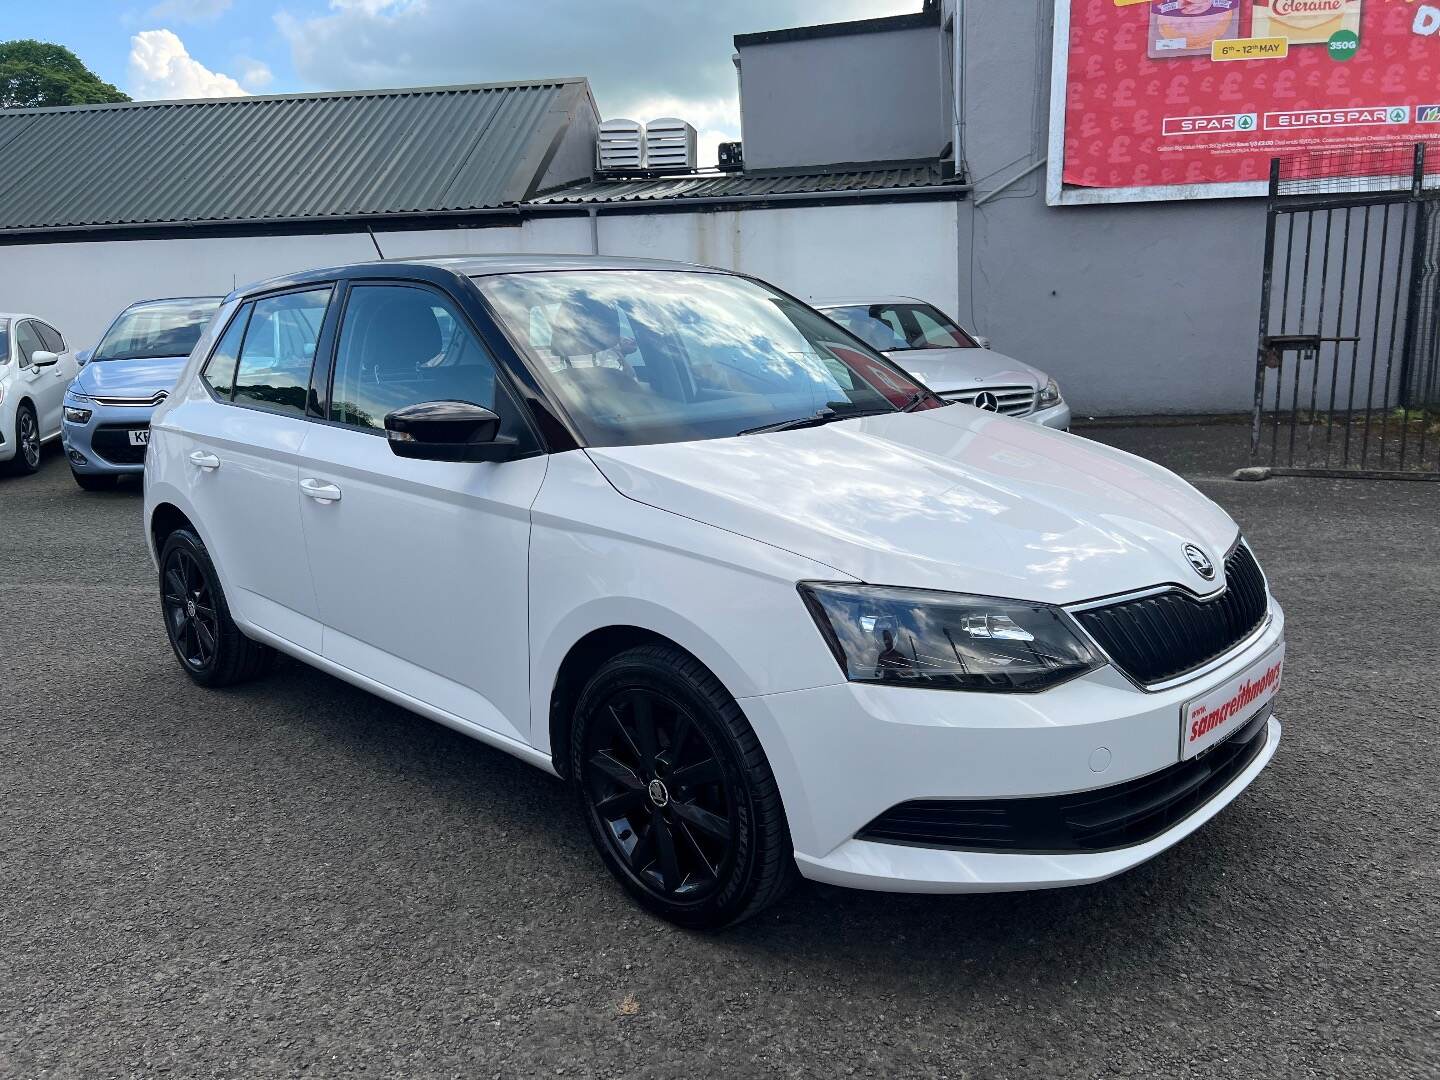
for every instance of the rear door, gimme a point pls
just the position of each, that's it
(241, 448)
(420, 567)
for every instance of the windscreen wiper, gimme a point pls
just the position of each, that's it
(919, 398)
(815, 419)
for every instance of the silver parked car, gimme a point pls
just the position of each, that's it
(949, 359)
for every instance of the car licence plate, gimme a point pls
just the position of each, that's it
(1205, 721)
(140, 437)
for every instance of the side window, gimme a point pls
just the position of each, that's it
(50, 337)
(400, 346)
(220, 368)
(27, 341)
(279, 346)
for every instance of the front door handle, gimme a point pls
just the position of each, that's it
(201, 460)
(320, 491)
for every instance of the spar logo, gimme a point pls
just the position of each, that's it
(1210, 125)
(1427, 114)
(1202, 722)
(1333, 118)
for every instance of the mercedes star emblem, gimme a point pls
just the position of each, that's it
(987, 401)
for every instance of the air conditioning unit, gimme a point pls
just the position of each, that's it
(620, 147)
(670, 145)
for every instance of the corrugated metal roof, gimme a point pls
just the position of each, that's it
(851, 180)
(290, 157)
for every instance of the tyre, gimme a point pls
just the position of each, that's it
(208, 644)
(95, 481)
(27, 441)
(676, 791)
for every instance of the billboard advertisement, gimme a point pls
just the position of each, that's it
(1157, 99)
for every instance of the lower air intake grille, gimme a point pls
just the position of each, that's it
(1111, 817)
(1164, 636)
(112, 442)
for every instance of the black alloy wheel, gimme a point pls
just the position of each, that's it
(676, 790)
(659, 795)
(206, 640)
(190, 615)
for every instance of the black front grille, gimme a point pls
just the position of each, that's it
(1112, 817)
(1164, 636)
(112, 442)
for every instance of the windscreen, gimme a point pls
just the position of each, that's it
(652, 356)
(164, 328)
(899, 327)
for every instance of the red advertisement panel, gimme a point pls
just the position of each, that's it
(1171, 92)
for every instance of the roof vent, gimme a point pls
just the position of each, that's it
(620, 147)
(670, 145)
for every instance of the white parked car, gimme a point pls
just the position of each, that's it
(949, 359)
(36, 367)
(670, 534)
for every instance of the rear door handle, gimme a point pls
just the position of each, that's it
(201, 460)
(320, 491)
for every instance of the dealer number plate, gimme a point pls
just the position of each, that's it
(1205, 721)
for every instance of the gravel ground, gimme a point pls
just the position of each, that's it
(298, 878)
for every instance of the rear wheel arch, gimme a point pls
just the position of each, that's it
(164, 520)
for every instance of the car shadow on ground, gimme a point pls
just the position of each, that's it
(944, 943)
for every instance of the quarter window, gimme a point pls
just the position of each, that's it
(400, 346)
(27, 341)
(220, 369)
(278, 350)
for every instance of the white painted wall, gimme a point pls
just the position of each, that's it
(810, 251)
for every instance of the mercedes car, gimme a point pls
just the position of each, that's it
(770, 606)
(946, 357)
(107, 409)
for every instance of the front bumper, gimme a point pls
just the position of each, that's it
(101, 441)
(844, 754)
(1057, 417)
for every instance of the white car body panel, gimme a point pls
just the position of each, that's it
(420, 572)
(952, 499)
(458, 590)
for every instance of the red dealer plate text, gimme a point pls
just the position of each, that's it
(1205, 721)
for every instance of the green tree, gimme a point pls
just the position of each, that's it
(35, 74)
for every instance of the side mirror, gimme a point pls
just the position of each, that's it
(983, 342)
(447, 431)
(41, 358)
(83, 356)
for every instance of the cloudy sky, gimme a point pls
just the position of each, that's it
(645, 58)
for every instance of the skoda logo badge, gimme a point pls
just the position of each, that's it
(987, 401)
(1200, 562)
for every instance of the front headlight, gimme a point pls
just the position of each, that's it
(1050, 395)
(77, 416)
(946, 641)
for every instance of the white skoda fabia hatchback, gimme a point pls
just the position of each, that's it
(760, 597)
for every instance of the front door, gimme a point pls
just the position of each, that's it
(420, 567)
(242, 443)
(45, 386)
